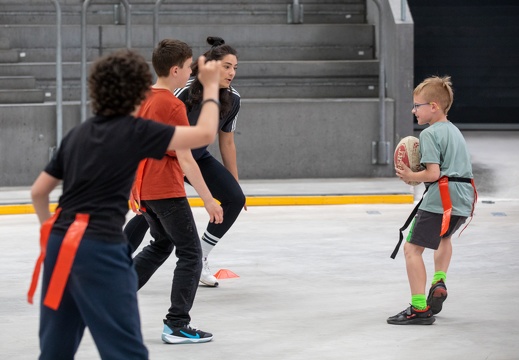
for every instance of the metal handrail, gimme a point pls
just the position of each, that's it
(84, 9)
(382, 146)
(295, 12)
(59, 77)
(156, 22)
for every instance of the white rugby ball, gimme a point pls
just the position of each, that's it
(408, 152)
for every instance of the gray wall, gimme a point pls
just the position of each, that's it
(26, 140)
(398, 40)
(275, 143)
(272, 140)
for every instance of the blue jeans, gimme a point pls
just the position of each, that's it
(101, 293)
(173, 228)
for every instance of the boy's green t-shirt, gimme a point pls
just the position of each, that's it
(442, 143)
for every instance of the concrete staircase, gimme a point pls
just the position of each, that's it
(329, 55)
(15, 87)
(319, 76)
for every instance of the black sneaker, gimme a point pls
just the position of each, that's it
(184, 335)
(412, 316)
(437, 295)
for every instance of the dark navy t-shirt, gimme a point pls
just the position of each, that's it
(227, 122)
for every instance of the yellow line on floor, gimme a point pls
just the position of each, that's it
(18, 209)
(329, 200)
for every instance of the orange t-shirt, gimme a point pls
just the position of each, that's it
(163, 178)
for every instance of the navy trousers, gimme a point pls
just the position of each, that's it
(101, 294)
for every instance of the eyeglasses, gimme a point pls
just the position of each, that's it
(416, 106)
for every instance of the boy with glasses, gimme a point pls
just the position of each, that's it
(448, 202)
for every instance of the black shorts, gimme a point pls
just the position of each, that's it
(426, 227)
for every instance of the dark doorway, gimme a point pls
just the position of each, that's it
(476, 42)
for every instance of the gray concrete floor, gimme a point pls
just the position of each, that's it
(316, 282)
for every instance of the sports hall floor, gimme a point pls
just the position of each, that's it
(316, 281)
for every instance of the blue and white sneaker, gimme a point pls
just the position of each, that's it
(184, 335)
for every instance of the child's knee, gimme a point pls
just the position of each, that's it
(411, 250)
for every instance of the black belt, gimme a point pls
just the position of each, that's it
(415, 210)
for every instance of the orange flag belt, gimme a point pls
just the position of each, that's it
(64, 262)
(443, 184)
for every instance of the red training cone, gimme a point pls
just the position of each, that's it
(225, 274)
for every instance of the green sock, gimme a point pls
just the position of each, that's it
(419, 301)
(439, 275)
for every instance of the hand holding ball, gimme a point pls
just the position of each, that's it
(407, 152)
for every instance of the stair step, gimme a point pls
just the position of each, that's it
(319, 88)
(108, 36)
(188, 13)
(264, 52)
(254, 42)
(17, 82)
(267, 79)
(248, 2)
(4, 43)
(45, 13)
(246, 69)
(21, 96)
(307, 69)
(352, 87)
(9, 56)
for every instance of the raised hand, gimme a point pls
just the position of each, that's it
(209, 72)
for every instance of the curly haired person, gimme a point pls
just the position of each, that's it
(88, 275)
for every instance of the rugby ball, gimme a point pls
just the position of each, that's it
(408, 152)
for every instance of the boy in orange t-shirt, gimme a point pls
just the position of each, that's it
(159, 187)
